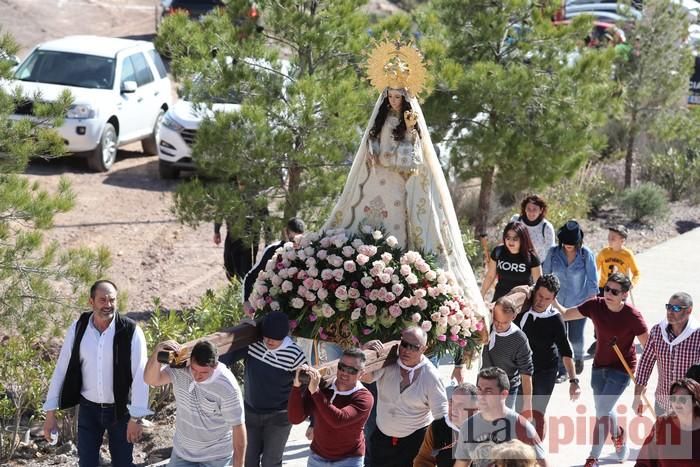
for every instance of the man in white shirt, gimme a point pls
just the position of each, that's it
(209, 423)
(101, 367)
(410, 395)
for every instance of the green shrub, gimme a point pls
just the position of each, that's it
(677, 172)
(646, 201)
(214, 312)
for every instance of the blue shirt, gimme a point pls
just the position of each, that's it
(579, 280)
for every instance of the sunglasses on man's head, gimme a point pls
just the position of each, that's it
(351, 370)
(676, 308)
(615, 292)
(409, 346)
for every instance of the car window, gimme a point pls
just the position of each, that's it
(158, 62)
(142, 70)
(128, 73)
(67, 69)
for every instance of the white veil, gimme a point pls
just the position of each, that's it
(440, 230)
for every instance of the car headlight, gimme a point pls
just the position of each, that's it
(171, 123)
(81, 111)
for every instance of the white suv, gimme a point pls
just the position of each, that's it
(120, 89)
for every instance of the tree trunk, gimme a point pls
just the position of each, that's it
(484, 201)
(629, 150)
(291, 205)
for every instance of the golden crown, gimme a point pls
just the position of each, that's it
(398, 66)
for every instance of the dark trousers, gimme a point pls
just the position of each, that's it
(543, 382)
(93, 420)
(238, 257)
(267, 436)
(396, 452)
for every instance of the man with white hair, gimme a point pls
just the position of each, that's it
(410, 396)
(674, 345)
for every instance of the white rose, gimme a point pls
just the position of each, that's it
(297, 303)
(392, 241)
(376, 234)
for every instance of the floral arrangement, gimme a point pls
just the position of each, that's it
(352, 289)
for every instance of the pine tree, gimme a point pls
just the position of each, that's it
(518, 97)
(304, 104)
(654, 76)
(37, 279)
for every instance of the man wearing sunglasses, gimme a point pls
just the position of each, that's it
(410, 395)
(339, 411)
(674, 345)
(614, 321)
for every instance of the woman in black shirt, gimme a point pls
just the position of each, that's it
(514, 262)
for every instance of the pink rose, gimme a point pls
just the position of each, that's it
(397, 289)
(405, 302)
(362, 259)
(308, 282)
(326, 274)
(367, 282)
(338, 274)
(350, 266)
(371, 309)
(395, 311)
(442, 338)
(353, 293)
(341, 292)
(426, 325)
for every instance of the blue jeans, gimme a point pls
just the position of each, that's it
(574, 330)
(512, 396)
(317, 461)
(608, 385)
(176, 461)
(93, 420)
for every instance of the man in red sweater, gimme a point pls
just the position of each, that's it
(339, 411)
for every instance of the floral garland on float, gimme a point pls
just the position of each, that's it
(352, 288)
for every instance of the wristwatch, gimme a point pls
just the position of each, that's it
(573, 381)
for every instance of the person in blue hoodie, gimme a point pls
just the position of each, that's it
(574, 265)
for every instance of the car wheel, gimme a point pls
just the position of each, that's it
(150, 144)
(167, 171)
(105, 153)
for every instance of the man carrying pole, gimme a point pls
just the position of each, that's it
(618, 323)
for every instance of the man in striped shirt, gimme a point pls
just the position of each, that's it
(270, 365)
(209, 423)
(674, 345)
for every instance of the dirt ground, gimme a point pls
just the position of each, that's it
(128, 209)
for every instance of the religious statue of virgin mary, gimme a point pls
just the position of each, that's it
(396, 182)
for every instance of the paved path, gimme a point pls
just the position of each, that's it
(665, 269)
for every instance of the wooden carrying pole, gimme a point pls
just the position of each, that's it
(373, 361)
(613, 344)
(226, 340)
(244, 334)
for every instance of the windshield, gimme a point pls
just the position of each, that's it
(67, 69)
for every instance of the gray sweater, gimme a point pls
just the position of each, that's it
(512, 354)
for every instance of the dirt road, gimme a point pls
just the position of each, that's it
(128, 209)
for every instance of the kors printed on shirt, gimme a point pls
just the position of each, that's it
(510, 266)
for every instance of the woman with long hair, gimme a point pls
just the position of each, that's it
(674, 440)
(512, 263)
(574, 265)
(533, 210)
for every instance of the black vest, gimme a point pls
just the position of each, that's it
(121, 365)
(443, 443)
